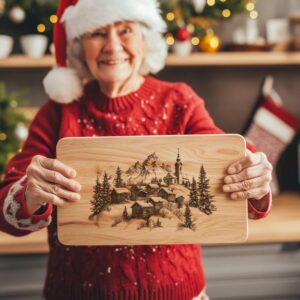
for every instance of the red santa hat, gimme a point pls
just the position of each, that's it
(77, 17)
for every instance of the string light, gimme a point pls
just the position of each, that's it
(170, 39)
(211, 2)
(253, 14)
(14, 103)
(195, 41)
(170, 16)
(226, 13)
(3, 136)
(41, 28)
(250, 6)
(53, 19)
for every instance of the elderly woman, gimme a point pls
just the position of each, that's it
(105, 51)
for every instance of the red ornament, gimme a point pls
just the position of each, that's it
(182, 35)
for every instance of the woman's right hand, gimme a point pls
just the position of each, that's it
(50, 181)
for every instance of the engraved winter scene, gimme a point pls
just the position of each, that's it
(150, 194)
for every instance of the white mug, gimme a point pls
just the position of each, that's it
(34, 45)
(6, 45)
(277, 30)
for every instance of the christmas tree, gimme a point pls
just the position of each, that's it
(12, 126)
(29, 16)
(205, 199)
(196, 19)
(202, 14)
(118, 180)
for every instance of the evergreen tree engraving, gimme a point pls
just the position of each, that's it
(188, 218)
(96, 201)
(101, 196)
(118, 180)
(125, 214)
(158, 223)
(105, 191)
(205, 200)
(194, 194)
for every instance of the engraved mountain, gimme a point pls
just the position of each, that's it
(152, 169)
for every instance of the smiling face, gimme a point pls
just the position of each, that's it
(114, 53)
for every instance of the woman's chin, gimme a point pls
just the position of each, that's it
(111, 77)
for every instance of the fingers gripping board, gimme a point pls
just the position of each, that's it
(139, 190)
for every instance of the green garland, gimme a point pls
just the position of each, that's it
(9, 120)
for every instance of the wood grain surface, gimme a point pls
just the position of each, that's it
(153, 183)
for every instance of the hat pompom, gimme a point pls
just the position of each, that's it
(63, 85)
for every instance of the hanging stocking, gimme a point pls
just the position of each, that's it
(272, 128)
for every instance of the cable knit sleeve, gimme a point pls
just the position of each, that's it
(200, 122)
(15, 218)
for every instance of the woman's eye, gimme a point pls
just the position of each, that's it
(125, 31)
(98, 34)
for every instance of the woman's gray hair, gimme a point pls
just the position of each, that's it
(155, 53)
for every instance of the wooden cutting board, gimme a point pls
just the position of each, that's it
(143, 190)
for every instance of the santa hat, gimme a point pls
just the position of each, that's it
(76, 17)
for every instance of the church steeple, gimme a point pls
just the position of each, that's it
(178, 169)
(178, 157)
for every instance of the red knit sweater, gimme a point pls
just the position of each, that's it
(140, 272)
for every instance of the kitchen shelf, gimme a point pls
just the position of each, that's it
(22, 61)
(282, 225)
(195, 59)
(236, 59)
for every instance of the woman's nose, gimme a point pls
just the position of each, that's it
(113, 44)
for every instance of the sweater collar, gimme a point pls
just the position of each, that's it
(94, 96)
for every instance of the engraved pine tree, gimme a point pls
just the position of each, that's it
(118, 180)
(194, 194)
(96, 201)
(205, 200)
(105, 191)
(125, 214)
(101, 196)
(188, 218)
(158, 223)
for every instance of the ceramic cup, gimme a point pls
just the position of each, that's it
(34, 45)
(183, 48)
(6, 45)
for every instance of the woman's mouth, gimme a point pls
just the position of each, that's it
(113, 62)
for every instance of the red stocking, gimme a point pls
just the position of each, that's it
(272, 128)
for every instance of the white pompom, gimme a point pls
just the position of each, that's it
(63, 85)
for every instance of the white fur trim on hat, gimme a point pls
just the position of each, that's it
(63, 85)
(88, 15)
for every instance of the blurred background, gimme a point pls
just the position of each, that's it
(240, 56)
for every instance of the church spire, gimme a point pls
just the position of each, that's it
(178, 156)
(178, 169)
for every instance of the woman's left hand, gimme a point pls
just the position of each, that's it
(249, 177)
